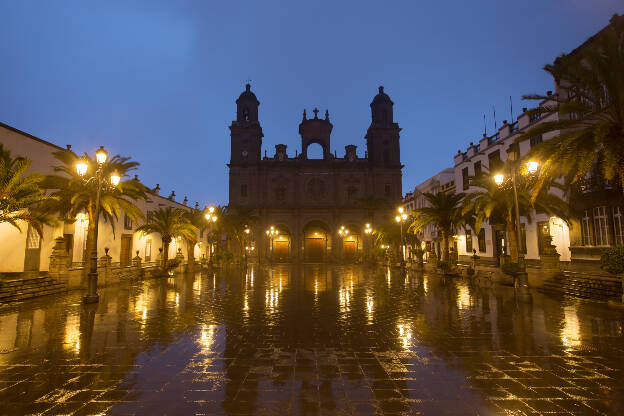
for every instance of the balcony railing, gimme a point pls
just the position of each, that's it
(593, 184)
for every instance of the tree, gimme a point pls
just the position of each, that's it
(496, 203)
(74, 195)
(444, 212)
(22, 195)
(235, 220)
(169, 223)
(389, 233)
(590, 109)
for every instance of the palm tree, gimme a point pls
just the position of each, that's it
(169, 223)
(590, 108)
(445, 213)
(74, 195)
(197, 218)
(496, 203)
(21, 195)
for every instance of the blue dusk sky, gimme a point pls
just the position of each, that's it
(157, 80)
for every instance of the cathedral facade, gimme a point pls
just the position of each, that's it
(318, 209)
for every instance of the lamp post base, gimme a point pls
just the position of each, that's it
(523, 293)
(91, 299)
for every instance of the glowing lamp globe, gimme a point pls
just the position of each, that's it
(101, 155)
(115, 178)
(81, 167)
(532, 166)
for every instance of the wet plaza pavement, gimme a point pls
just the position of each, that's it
(310, 340)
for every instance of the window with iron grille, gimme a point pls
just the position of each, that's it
(481, 236)
(465, 179)
(127, 222)
(535, 140)
(477, 168)
(149, 217)
(468, 242)
(586, 234)
(601, 227)
(243, 190)
(494, 160)
(388, 190)
(618, 226)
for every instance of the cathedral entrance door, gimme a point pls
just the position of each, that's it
(349, 250)
(281, 250)
(315, 249)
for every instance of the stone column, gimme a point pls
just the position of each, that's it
(136, 265)
(58, 260)
(104, 269)
(550, 260)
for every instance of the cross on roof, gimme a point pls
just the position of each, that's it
(315, 112)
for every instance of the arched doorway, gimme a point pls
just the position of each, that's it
(281, 244)
(315, 236)
(351, 242)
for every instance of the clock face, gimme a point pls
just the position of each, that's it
(244, 153)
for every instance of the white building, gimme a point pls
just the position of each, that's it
(484, 157)
(29, 252)
(443, 181)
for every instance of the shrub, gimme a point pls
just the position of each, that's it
(470, 271)
(510, 268)
(172, 264)
(612, 260)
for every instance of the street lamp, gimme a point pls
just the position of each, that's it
(272, 232)
(522, 277)
(212, 219)
(246, 231)
(401, 219)
(368, 231)
(82, 166)
(343, 232)
(499, 178)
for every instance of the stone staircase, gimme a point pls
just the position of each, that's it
(585, 286)
(29, 287)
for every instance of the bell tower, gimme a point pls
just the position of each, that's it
(382, 137)
(245, 132)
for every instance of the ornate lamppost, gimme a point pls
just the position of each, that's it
(343, 233)
(82, 167)
(522, 278)
(246, 231)
(212, 219)
(401, 219)
(369, 231)
(272, 232)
